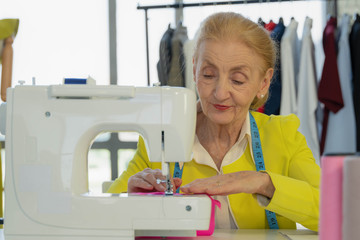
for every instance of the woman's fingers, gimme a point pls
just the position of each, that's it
(197, 186)
(232, 183)
(176, 182)
(151, 176)
(145, 181)
(238, 182)
(218, 185)
(136, 184)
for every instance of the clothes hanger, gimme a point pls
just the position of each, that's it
(261, 22)
(329, 16)
(281, 20)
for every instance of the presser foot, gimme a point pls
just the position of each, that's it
(169, 187)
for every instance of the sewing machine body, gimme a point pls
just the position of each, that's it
(49, 130)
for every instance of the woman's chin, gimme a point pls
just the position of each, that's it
(221, 120)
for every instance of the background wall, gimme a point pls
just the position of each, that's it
(350, 7)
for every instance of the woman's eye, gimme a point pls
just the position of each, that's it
(208, 73)
(238, 78)
(208, 76)
(236, 82)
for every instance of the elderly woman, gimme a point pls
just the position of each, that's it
(258, 166)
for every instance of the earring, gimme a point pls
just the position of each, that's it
(262, 96)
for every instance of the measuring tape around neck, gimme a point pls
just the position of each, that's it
(259, 162)
(260, 165)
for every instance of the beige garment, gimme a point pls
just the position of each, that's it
(223, 217)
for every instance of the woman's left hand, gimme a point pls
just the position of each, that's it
(238, 182)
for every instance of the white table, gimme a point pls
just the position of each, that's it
(245, 234)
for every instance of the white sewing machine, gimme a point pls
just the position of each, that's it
(49, 130)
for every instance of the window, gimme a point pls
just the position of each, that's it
(58, 39)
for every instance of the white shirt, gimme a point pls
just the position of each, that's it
(289, 68)
(307, 91)
(341, 130)
(188, 49)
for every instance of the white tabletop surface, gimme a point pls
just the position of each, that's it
(246, 234)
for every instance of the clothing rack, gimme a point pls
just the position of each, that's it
(202, 4)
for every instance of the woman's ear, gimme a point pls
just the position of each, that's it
(265, 82)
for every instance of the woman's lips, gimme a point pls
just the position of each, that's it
(221, 107)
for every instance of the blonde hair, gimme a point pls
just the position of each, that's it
(233, 26)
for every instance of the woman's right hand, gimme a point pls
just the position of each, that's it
(145, 181)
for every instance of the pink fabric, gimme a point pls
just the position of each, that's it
(210, 231)
(214, 203)
(331, 198)
(150, 193)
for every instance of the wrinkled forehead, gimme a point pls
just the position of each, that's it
(228, 52)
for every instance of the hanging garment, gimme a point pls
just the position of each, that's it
(188, 54)
(270, 26)
(272, 105)
(329, 90)
(289, 58)
(355, 63)
(307, 95)
(163, 66)
(341, 128)
(177, 69)
(189, 48)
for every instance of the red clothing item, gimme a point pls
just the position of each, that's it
(261, 109)
(270, 26)
(329, 90)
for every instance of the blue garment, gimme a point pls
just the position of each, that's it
(272, 105)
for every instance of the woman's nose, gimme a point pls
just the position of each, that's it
(222, 90)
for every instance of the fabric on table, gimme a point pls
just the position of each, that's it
(351, 196)
(331, 198)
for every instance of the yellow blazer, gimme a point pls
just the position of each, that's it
(288, 161)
